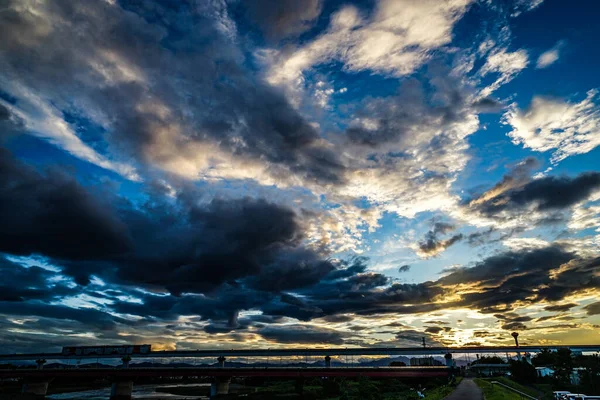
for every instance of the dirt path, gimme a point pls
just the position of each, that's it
(466, 390)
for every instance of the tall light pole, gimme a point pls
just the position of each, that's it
(516, 336)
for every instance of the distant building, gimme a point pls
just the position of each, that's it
(543, 372)
(491, 369)
(425, 362)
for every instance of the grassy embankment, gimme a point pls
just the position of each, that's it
(496, 392)
(442, 391)
(362, 389)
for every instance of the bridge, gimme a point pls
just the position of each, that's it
(36, 381)
(245, 372)
(310, 352)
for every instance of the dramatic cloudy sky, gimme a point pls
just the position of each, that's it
(251, 173)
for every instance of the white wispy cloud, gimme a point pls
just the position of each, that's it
(41, 119)
(506, 65)
(586, 218)
(524, 243)
(557, 125)
(521, 6)
(549, 57)
(396, 40)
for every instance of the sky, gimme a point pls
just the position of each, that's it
(256, 174)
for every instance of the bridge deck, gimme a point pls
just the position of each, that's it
(372, 351)
(372, 372)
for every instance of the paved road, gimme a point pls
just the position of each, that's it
(466, 390)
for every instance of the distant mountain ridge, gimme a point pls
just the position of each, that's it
(381, 362)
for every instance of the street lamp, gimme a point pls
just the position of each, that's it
(516, 336)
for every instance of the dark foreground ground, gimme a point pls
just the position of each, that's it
(311, 389)
(466, 390)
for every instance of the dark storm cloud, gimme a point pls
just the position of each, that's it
(549, 194)
(556, 318)
(417, 112)
(557, 326)
(52, 214)
(410, 337)
(212, 329)
(302, 334)
(338, 318)
(395, 325)
(360, 286)
(354, 266)
(441, 228)
(186, 250)
(224, 327)
(514, 276)
(519, 175)
(496, 269)
(293, 300)
(31, 341)
(514, 326)
(38, 333)
(485, 237)
(404, 268)
(32, 283)
(557, 192)
(367, 281)
(89, 317)
(182, 247)
(513, 317)
(581, 274)
(480, 238)
(487, 105)
(221, 306)
(560, 307)
(157, 79)
(286, 275)
(348, 290)
(329, 297)
(345, 296)
(396, 116)
(432, 244)
(437, 322)
(529, 275)
(283, 18)
(592, 309)
(114, 70)
(4, 113)
(434, 329)
(432, 247)
(10, 124)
